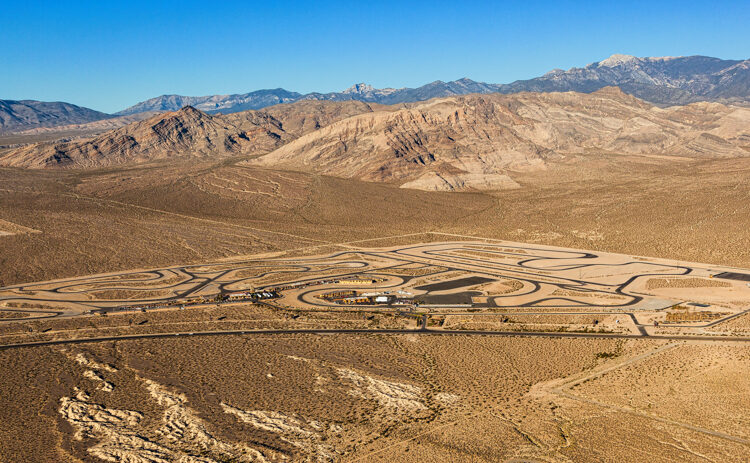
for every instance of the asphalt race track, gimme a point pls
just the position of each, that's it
(539, 279)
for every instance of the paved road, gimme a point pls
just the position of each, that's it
(551, 278)
(419, 331)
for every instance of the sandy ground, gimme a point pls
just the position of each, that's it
(368, 398)
(142, 218)
(725, 293)
(526, 278)
(365, 398)
(702, 386)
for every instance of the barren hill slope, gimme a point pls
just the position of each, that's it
(187, 133)
(184, 132)
(306, 116)
(465, 142)
(475, 141)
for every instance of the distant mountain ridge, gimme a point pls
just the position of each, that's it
(31, 114)
(263, 98)
(215, 103)
(664, 81)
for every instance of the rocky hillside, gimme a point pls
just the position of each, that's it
(186, 133)
(30, 114)
(180, 133)
(478, 141)
(307, 116)
(456, 143)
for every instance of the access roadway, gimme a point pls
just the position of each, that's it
(536, 266)
(419, 331)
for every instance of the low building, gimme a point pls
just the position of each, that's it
(358, 281)
(356, 300)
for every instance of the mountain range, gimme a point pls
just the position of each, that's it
(663, 81)
(464, 142)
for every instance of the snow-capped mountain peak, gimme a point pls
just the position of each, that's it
(359, 89)
(617, 60)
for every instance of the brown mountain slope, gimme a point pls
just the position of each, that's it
(476, 141)
(184, 132)
(187, 133)
(307, 116)
(468, 142)
(440, 138)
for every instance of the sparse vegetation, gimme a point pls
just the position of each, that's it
(481, 395)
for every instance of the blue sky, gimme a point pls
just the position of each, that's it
(108, 55)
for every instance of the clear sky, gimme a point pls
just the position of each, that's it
(108, 55)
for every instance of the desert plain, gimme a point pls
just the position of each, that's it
(587, 306)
